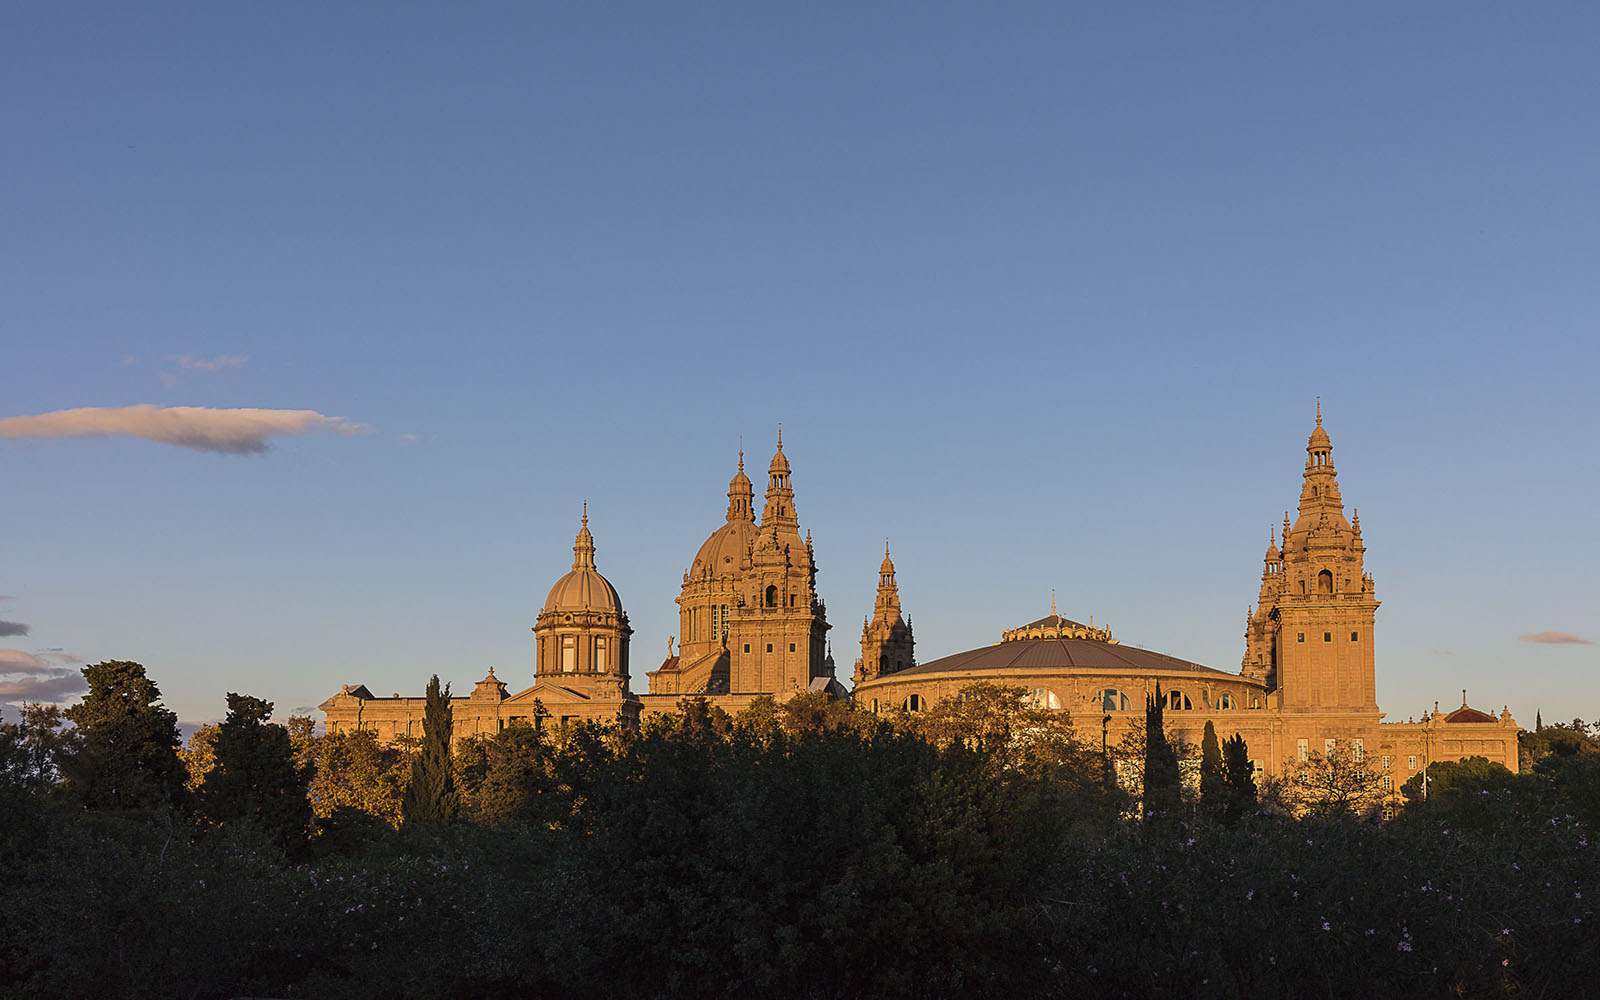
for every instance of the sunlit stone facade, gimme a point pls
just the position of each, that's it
(752, 624)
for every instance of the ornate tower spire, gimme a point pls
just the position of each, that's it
(583, 546)
(887, 644)
(779, 511)
(741, 505)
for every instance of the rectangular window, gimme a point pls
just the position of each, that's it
(1411, 762)
(769, 647)
(791, 600)
(747, 647)
(599, 655)
(1387, 761)
(791, 647)
(569, 653)
(1299, 637)
(1358, 750)
(1355, 636)
(1328, 747)
(1304, 748)
(1327, 637)
(1388, 783)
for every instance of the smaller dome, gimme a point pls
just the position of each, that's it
(887, 566)
(1320, 439)
(1273, 554)
(583, 589)
(779, 462)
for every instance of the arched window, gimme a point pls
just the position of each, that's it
(914, 703)
(1177, 701)
(883, 663)
(1112, 700)
(1225, 701)
(1042, 698)
(1325, 582)
(772, 595)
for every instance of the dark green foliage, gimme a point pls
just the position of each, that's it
(255, 778)
(808, 854)
(1162, 792)
(124, 754)
(431, 794)
(1212, 793)
(1238, 779)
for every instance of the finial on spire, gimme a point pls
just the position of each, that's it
(780, 433)
(1464, 698)
(1319, 411)
(1052, 601)
(586, 513)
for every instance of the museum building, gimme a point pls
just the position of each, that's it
(753, 625)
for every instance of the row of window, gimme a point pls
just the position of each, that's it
(1327, 637)
(769, 647)
(569, 654)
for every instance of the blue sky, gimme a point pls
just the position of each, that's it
(1045, 294)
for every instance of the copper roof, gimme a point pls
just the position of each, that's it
(1061, 654)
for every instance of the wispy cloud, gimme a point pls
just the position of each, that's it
(192, 362)
(1557, 638)
(56, 686)
(240, 431)
(15, 661)
(12, 628)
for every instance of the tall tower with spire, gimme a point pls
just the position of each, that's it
(1311, 635)
(777, 633)
(748, 612)
(582, 632)
(887, 644)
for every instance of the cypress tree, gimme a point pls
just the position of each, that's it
(431, 795)
(1211, 782)
(1238, 779)
(125, 747)
(1161, 795)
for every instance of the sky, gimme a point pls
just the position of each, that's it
(320, 322)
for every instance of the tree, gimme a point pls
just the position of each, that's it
(1334, 784)
(255, 778)
(1238, 779)
(125, 754)
(33, 748)
(1161, 780)
(1212, 784)
(355, 771)
(199, 756)
(431, 795)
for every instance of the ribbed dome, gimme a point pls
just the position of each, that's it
(583, 589)
(1319, 438)
(779, 462)
(727, 545)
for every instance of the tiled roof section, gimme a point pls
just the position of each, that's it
(1060, 654)
(1465, 714)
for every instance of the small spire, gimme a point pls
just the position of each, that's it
(1052, 601)
(1319, 411)
(586, 513)
(885, 546)
(780, 432)
(1464, 698)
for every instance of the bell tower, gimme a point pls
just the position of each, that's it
(1311, 636)
(777, 629)
(887, 645)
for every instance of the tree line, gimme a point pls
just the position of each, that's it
(805, 849)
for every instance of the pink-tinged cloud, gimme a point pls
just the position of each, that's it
(12, 628)
(1557, 638)
(240, 432)
(55, 687)
(15, 661)
(215, 364)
